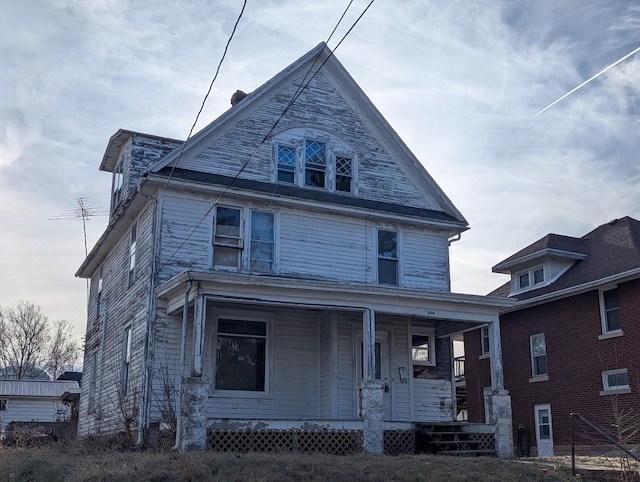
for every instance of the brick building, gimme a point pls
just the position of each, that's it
(570, 342)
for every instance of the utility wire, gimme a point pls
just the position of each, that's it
(224, 54)
(303, 85)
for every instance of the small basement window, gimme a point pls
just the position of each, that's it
(615, 380)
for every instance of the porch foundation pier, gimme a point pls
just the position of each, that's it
(194, 414)
(371, 396)
(371, 393)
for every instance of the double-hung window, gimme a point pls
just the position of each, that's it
(261, 254)
(610, 311)
(286, 156)
(538, 355)
(242, 355)
(3, 404)
(227, 240)
(387, 257)
(315, 163)
(615, 380)
(132, 253)
(99, 293)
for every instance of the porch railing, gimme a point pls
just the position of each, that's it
(458, 368)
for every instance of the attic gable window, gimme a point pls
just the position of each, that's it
(315, 163)
(530, 278)
(344, 173)
(286, 163)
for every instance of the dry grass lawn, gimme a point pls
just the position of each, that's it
(78, 463)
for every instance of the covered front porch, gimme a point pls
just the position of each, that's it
(298, 360)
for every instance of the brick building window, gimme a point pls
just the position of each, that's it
(610, 311)
(615, 381)
(538, 356)
(485, 340)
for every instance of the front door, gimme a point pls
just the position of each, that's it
(383, 372)
(544, 430)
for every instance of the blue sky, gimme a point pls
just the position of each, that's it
(460, 82)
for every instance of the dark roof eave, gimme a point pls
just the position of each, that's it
(307, 195)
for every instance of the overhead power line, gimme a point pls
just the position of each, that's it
(303, 85)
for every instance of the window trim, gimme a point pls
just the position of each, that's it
(125, 376)
(277, 162)
(530, 272)
(423, 331)
(250, 214)
(396, 259)
(268, 319)
(241, 239)
(484, 335)
(334, 162)
(616, 389)
(117, 184)
(315, 166)
(606, 333)
(133, 241)
(538, 376)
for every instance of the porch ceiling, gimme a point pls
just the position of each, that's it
(460, 311)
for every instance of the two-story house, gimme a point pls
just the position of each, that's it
(281, 280)
(570, 342)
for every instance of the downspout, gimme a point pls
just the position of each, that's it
(148, 368)
(183, 354)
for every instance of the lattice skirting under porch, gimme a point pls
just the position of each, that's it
(337, 442)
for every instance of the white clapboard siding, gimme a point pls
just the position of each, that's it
(334, 249)
(424, 260)
(433, 400)
(321, 105)
(33, 410)
(185, 235)
(346, 389)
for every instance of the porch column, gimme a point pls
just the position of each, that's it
(198, 335)
(371, 393)
(195, 390)
(496, 399)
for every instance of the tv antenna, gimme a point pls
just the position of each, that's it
(81, 211)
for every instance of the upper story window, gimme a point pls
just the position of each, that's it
(529, 278)
(227, 240)
(132, 253)
(314, 158)
(236, 248)
(118, 180)
(610, 311)
(315, 163)
(126, 361)
(387, 257)
(538, 355)
(99, 294)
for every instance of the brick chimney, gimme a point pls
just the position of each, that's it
(237, 96)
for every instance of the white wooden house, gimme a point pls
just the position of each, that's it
(35, 401)
(284, 274)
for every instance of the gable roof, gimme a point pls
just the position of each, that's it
(322, 57)
(611, 253)
(36, 388)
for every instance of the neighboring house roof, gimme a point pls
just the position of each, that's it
(606, 254)
(36, 388)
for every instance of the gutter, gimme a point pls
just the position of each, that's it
(573, 290)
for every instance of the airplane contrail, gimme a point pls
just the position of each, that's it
(588, 80)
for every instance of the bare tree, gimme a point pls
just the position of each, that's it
(31, 346)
